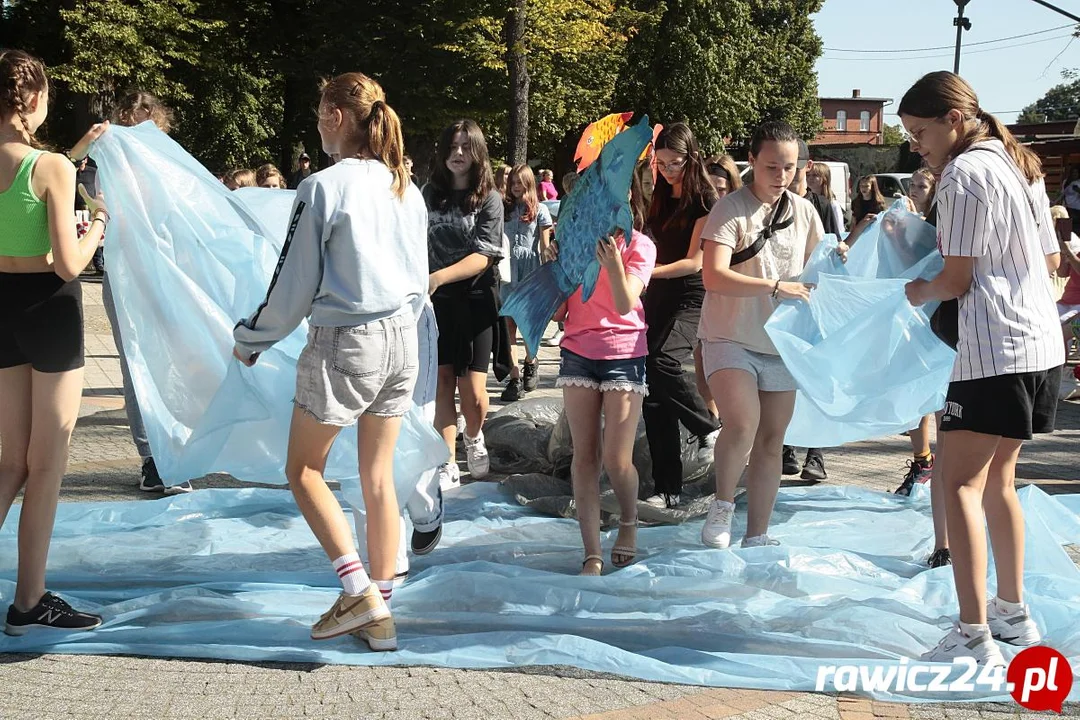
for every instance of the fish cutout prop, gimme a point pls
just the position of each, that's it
(597, 206)
(596, 136)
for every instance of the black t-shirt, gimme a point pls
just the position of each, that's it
(453, 235)
(672, 232)
(824, 211)
(861, 208)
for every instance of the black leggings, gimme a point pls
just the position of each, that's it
(41, 322)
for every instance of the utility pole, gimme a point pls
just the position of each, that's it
(1058, 10)
(961, 23)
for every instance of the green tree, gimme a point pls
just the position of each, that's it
(1061, 102)
(724, 66)
(572, 52)
(892, 135)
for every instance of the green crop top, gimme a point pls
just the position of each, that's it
(24, 219)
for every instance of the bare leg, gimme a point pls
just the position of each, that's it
(56, 398)
(967, 464)
(937, 496)
(736, 394)
(446, 409)
(582, 407)
(378, 438)
(309, 446)
(17, 401)
(511, 326)
(920, 437)
(1005, 521)
(474, 401)
(763, 475)
(622, 410)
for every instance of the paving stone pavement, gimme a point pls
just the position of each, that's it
(104, 466)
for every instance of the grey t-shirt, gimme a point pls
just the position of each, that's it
(453, 235)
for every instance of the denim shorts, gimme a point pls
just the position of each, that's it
(768, 370)
(626, 375)
(346, 372)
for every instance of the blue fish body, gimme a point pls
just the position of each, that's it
(597, 207)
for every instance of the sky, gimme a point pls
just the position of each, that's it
(1006, 75)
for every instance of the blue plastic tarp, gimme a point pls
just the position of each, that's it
(186, 260)
(866, 361)
(236, 574)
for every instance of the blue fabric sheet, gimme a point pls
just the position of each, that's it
(866, 361)
(235, 574)
(186, 260)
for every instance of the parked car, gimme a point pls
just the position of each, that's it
(894, 185)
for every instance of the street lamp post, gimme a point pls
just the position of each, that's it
(961, 23)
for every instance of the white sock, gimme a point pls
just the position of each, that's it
(386, 587)
(724, 503)
(354, 579)
(974, 630)
(1008, 608)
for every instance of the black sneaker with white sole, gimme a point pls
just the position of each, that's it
(425, 542)
(151, 481)
(50, 612)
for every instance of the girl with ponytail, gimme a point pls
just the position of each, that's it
(41, 334)
(354, 260)
(997, 237)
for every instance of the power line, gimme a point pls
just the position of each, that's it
(950, 47)
(931, 57)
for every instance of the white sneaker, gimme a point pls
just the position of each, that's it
(476, 456)
(449, 476)
(759, 541)
(555, 339)
(716, 532)
(1016, 629)
(656, 501)
(956, 644)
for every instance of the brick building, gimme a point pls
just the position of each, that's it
(854, 120)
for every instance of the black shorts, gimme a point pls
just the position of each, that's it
(466, 334)
(1010, 406)
(41, 322)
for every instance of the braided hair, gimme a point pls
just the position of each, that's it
(21, 77)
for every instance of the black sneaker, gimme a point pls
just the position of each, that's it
(814, 467)
(425, 542)
(50, 612)
(529, 376)
(939, 558)
(512, 393)
(151, 481)
(791, 463)
(919, 471)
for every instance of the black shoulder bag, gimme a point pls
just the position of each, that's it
(770, 229)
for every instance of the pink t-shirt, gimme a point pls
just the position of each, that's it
(548, 191)
(595, 329)
(1072, 289)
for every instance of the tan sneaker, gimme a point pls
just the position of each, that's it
(349, 613)
(380, 635)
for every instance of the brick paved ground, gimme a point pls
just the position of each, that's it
(104, 466)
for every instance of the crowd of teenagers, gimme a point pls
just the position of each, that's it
(695, 282)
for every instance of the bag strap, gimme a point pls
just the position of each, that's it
(770, 229)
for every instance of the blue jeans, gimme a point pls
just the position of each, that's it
(625, 375)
